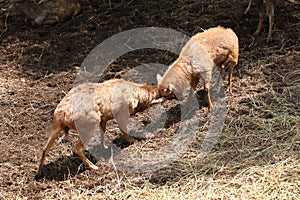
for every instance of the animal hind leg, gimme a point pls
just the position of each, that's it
(231, 66)
(207, 90)
(54, 133)
(221, 70)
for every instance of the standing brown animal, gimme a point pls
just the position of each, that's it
(215, 46)
(89, 105)
(48, 11)
(184, 74)
(222, 44)
(270, 7)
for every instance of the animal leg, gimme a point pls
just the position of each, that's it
(122, 115)
(54, 133)
(270, 10)
(78, 150)
(192, 91)
(231, 66)
(221, 70)
(129, 139)
(65, 137)
(122, 120)
(190, 96)
(102, 131)
(262, 15)
(207, 90)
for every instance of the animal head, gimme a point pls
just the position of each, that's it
(166, 91)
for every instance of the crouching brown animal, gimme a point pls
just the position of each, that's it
(89, 105)
(215, 46)
(48, 11)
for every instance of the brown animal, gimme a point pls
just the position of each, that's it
(270, 7)
(222, 45)
(183, 74)
(49, 11)
(217, 46)
(91, 104)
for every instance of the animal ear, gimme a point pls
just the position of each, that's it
(134, 103)
(159, 78)
(171, 87)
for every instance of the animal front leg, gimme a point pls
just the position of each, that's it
(122, 120)
(129, 139)
(122, 115)
(102, 131)
(190, 96)
(78, 150)
(192, 91)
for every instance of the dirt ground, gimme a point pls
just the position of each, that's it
(256, 156)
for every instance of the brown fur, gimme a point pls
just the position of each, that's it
(182, 75)
(49, 11)
(270, 7)
(222, 45)
(89, 105)
(214, 46)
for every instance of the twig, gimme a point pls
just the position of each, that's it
(41, 55)
(129, 3)
(283, 45)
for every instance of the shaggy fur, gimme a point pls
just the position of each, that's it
(215, 46)
(222, 45)
(89, 105)
(184, 74)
